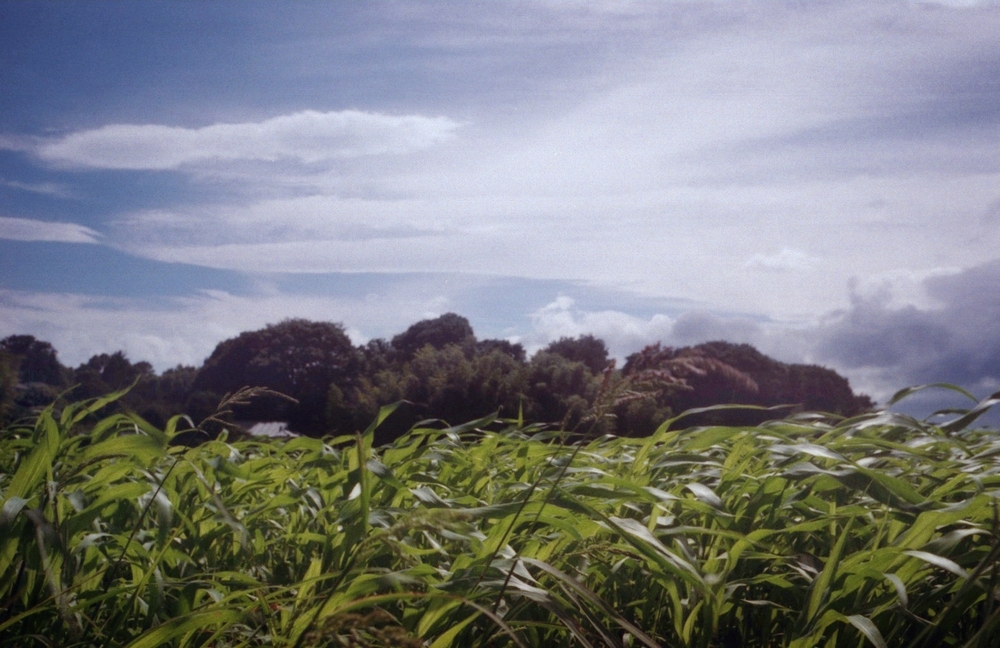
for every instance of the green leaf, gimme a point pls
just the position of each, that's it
(95, 405)
(868, 629)
(447, 638)
(573, 584)
(708, 437)
(939, 561)
(138, 446)
(707, 495)
(820, 587)
(10, 509)
(969, 418)
(909, 391)
(900, 588)
(179, 626)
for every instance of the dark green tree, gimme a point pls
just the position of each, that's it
(296, 357)
(810, 387)
(174, 386)
(514, 350)
(438, 333)
(560, 390)
(36, 360)
(8, 385)
(724, 372)
(108, 372)
(587, 349)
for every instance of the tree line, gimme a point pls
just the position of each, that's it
(441, 370)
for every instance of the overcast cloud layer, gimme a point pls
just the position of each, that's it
(818, 179)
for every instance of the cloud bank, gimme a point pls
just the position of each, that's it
(956, 340)
(880, 345)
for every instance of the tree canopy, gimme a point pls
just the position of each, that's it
(438, 333)
(587, 349)
(296, 357)
(36, 360)
(440, 368)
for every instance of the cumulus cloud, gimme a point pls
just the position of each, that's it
(26, 229)
(622, 333)
(956, 340)
(625, 333)
(308, 136)
(880, 343)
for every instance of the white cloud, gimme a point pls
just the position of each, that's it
(308, 136)
(625, 334)
(25, 229)
(785, 260)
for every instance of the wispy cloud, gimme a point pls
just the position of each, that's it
(308, 136)
(960, 3)
(45, 188)
(25, 229)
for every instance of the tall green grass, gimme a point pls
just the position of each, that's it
(810, 531)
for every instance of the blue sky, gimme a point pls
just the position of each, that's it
(820, 179)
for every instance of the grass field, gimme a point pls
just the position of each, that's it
(809, 531)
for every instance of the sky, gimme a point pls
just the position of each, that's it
(819, 179)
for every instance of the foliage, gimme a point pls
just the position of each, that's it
(808, 531)
(587, 349)
(722, 372)
(810, 386)
(8, 384)
(36, 360)
(442, 371)
(104, 373)
(560, 389)
(453, 383)
(30, 376)
(514, 350)
(437, 333)
(296, 357)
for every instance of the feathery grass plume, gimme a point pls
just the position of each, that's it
(241, 397)
(653, 372)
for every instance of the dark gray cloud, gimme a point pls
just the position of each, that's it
(956, 341)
